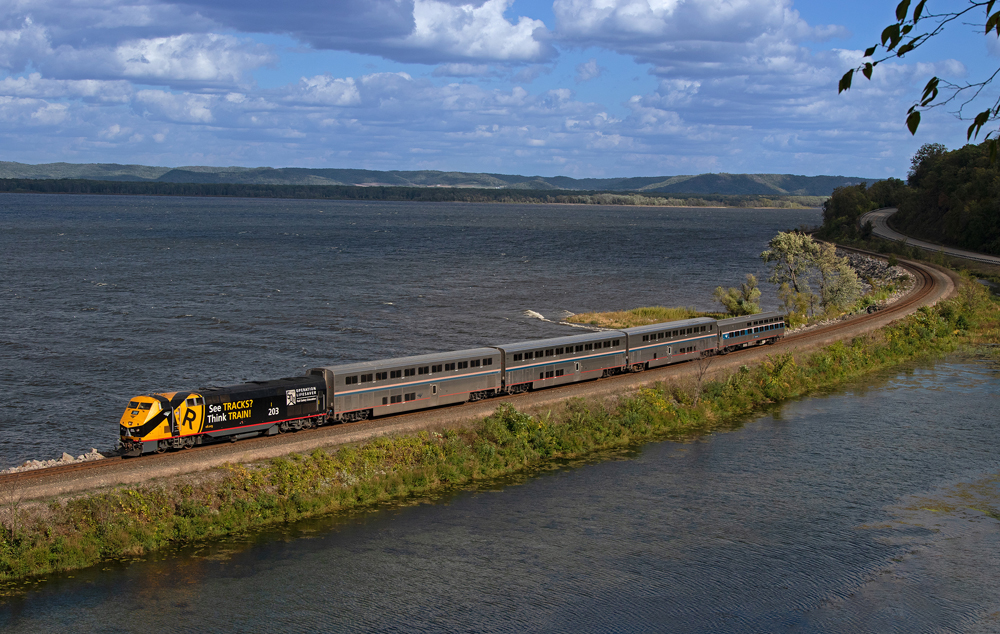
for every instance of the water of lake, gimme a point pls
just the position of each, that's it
(871, 509)
(104, 298)
(860, 511)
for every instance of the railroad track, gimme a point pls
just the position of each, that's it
(930, 284)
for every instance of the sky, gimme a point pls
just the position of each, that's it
(581, 88)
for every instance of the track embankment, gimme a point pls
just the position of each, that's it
(932, 285)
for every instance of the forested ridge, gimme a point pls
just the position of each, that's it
(949, 197)
(712, 184)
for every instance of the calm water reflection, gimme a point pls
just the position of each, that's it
(820, 519)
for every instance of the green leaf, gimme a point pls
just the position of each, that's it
(913, 122)
(993, 23)
(989, 6)
(901, 10)
(906, 29)
(920, 9)
(904, 49)
(930, 92)
(890, 34)
(871, 51)
(867, 70)
(845, 81)
(978, 124)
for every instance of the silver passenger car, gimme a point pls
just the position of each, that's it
(656, 345)
(392, 386)
(548, 362)
(749, 330)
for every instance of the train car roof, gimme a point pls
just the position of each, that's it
(560, 341)
(669, 325)
(738, 320)
(274, 384)
(456, 355)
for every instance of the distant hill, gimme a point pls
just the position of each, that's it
(723, 184)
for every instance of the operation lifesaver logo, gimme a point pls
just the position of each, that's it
(300, 395)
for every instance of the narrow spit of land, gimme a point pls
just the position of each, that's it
(175, 499)
(932, 285)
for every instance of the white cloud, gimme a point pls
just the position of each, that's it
(588, 70)
(88, 89)
(447, 31)
(184, 108)
(209, 60)
(21, 44)
(51, 113)
(463, 69)
(326, 90)
(422, 31)
(664, 24)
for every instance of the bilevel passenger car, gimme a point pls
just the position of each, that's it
(358, 391)
(750, 330)
(530, 365)
(380, 388)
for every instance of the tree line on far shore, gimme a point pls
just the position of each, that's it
(386, 193)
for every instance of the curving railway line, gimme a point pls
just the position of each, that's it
(931, 285)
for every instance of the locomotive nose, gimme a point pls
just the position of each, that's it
(138, 412)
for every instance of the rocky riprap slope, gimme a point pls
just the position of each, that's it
(31, 465)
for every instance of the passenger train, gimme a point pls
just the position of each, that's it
(359, 391)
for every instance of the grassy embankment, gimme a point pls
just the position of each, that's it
(135, 520)
(638, 316)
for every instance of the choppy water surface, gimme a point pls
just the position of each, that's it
(103, 298)
(864, 511)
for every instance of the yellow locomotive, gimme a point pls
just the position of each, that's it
(177, 420)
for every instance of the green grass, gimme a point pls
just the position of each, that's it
(637, 316)
(131, 521)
